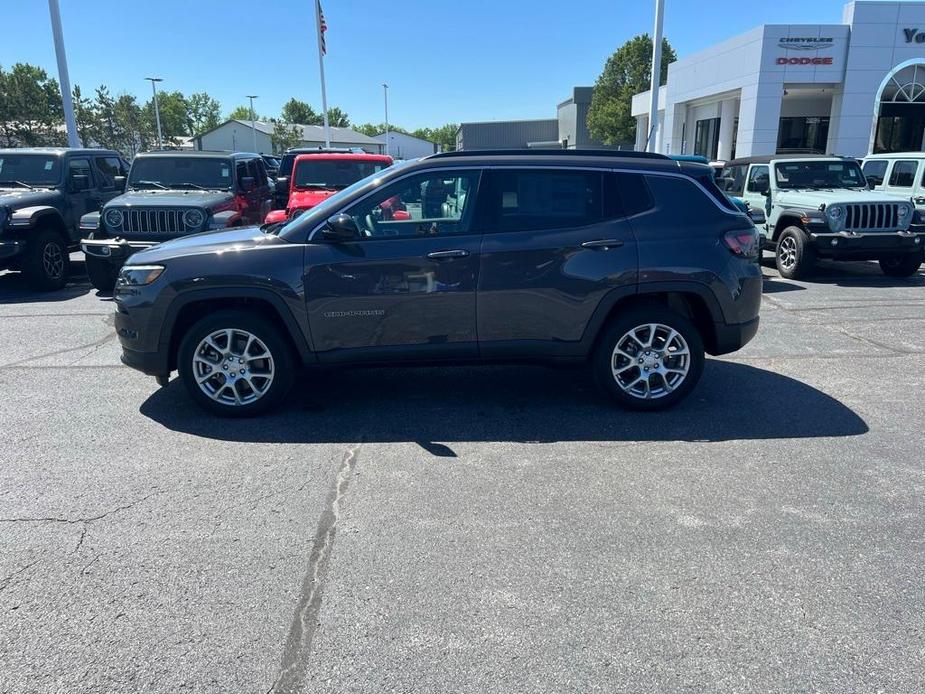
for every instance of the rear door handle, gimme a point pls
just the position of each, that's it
(603, 244)
(457, 253)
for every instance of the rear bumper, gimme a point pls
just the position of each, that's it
(10, 248)
(733, 336)
(869, 246)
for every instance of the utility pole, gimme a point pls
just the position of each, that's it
(253, 127)
(157, 110)
(656, 74)
(385, 89)
(65, 81)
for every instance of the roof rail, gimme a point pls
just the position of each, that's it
(621, 153)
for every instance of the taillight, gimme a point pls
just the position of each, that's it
(743, 242)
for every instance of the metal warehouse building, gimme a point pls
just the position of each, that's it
(848, 88)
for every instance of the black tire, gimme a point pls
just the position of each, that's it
(46, 262)
(794, 255)
(901, 265)
(615, 334)
(283, 364)
(101, 272)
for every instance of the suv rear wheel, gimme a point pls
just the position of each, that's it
(901, 265)
(795, 257)
(649, 358)
(46, 262)
(235, 364)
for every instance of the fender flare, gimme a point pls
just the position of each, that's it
(31, 217)
(786, 213)
(231, 293)
(224, 219)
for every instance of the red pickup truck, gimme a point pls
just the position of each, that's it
(316, 177)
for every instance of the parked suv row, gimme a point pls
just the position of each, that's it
(822, 207)
(632, 263)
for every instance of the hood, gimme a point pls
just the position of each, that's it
(208, 242)
(208, 199)
(812, 199)
(24, 197)
(303, 199)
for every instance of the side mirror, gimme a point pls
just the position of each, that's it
(275, 217)
(340, 228)
(401, 216)
(282, 182)
(248, 184)
(765, 191)
(80, 183)
(757, 216)
(120, 183)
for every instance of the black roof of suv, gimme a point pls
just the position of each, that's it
(471, 256)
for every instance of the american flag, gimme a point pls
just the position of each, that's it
(322, 27)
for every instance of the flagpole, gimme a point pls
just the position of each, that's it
(324, 95)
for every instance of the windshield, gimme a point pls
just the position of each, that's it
(179, 172)
(29, 170)
(331, 173)
(329, 206)
(819, 174)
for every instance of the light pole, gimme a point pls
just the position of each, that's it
(253, 127)
(385, 90)
(157, 110)
(656, 75)
(72, 139)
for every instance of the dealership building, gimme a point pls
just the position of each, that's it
(848, 88)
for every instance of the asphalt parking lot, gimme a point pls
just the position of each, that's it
(501, 529)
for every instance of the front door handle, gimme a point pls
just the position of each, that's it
(603, 244)
(439, 255)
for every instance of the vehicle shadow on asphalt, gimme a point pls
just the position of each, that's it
(515, 403)
(841, 274)
(15, 290)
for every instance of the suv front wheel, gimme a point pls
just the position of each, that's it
(901, 265)
(649, 358)
(795, 256)
(47, 262)
(235, 364)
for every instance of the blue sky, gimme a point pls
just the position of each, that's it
(444, 61)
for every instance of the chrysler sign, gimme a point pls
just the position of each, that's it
(806, 43)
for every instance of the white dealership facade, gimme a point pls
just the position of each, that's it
(848, 88)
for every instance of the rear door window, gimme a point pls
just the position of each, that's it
(688, 204)
(903, 173)
(759, 179)
(531, 200)
(108, 168)
(732, 180)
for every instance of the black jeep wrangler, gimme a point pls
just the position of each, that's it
(43, 194)
(172, 194)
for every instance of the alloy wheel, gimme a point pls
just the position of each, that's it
(53, 261)
(650, 361)
(787, 252)
(233, 367)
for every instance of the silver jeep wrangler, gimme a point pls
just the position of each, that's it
(822, 207)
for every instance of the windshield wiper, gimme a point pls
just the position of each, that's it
(149, 183)
(190, 185)
(22, 184)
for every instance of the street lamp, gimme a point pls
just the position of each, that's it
(66, 102)
(157, 110)
(385, 89)
(253, 127)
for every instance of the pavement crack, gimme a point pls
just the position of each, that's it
(88, 519)
(94, 346)
(6, 580)
(308, 608)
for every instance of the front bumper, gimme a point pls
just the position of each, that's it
(114, 250)
(10, 248)
(866, 245)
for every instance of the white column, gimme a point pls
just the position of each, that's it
(727, 116)
(642, 132)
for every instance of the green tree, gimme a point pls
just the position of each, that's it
(626, 73)
(204, 113)
(122, 124)
(373, 129)
(295, 111)
(242, 113)
(444, 136)
(284, 136)
(337, 118)
(86, 118)
(174, 111)
(30, 107)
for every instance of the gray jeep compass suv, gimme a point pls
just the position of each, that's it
(631, 263)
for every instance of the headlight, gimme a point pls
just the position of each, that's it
(835, 214)
(113, 218)
(904, 213)
(139, 275)
(193, 218)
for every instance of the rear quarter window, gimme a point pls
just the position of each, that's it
(683, 202)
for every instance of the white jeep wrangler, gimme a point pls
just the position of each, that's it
(821, 207)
